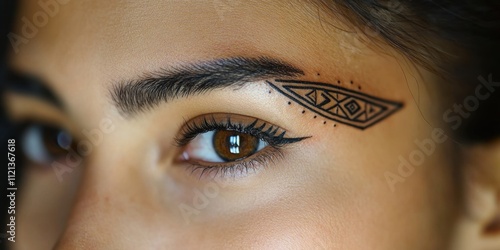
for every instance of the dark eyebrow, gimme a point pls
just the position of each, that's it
(31, 85)
(147, 92)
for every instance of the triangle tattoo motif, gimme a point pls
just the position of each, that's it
(336, 103)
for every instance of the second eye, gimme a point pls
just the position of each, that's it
(223, 146)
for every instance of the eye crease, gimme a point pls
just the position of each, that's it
(231, 144)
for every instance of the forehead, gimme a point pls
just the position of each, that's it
(124, 36)
(84, 46)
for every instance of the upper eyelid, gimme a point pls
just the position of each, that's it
(19, 110)
(19, 106)
(218, 120)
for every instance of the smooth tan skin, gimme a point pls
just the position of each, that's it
(328, 192)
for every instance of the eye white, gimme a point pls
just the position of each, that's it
(202, 148)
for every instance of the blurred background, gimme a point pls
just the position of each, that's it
(7, 8)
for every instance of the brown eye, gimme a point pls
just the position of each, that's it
(233, 146)
(43, 144)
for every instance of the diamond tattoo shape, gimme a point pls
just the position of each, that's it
(352, 107)
(339, 104)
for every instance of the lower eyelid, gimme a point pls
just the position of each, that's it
(240, 169)
(21, 108)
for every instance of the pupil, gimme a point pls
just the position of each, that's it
(232, 146)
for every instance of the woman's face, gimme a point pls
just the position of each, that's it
(162, 96)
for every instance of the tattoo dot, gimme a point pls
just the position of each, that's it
(324, 122)
(289, 103)
(352, 82)
(334, 125)
(338, 81)
(315, 116)
(303, 111)
(359, 87)
(269, 91)
(318, 74)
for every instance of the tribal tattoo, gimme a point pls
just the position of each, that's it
(336, 103)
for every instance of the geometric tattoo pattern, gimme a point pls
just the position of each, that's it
(336, 103)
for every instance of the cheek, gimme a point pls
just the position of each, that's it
(43, 206)
(279, 228)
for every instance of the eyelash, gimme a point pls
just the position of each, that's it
(267, 155)
(236, 169)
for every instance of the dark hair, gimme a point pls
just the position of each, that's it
(457, 39)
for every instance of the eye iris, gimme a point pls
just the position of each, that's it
(232, 145)
(42, 144)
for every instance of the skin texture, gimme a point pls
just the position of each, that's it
(326, 192)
